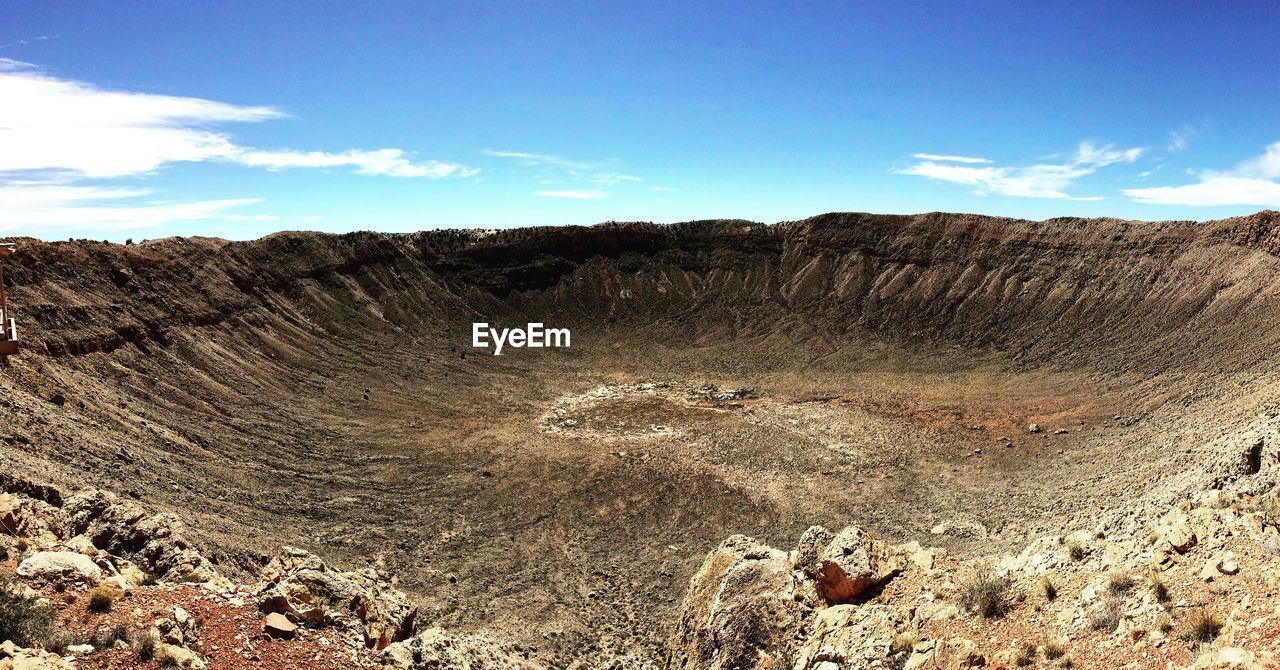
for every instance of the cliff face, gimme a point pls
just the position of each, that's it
(1147, 293)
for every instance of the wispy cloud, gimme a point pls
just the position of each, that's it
(951, 159)
(572, 194)
(613, 178)
(553, 169)
(385, 162)
(535, 160)
(24, 206)
(1253, 182)
(1180, 139)
(56, 133)
(1042, 180)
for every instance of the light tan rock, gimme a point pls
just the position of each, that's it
(13, 657)
(434, 649)
(60, 566)
(848, 636)
(956, 653)
(180, 657)
(301, 586)
(157, 543)
(739, 610)
(847, 565)
(278, 626)
(1234, 658)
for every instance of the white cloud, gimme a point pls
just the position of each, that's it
(70, 127)
(573, 195)
(385, 162)
(55, 132)
(952, 159)
(1044, 180)
(29, 205)
(1254, 182)
(1212, 191)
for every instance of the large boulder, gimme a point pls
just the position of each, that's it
(1234, 658)
(848, 565)
(739, 612)
(60, 566)
(303, 588)
(21, 516)
(956, 653)
(848, 636)
(155, 542)
(434, 649)
(13, 657)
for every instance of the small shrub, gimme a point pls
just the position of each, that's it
(902, 643)
(987, 595)
(1066, 663)
(101, 600)
(1054, 649)
(1203, 626)
(21, 545)
(1099, 535)
(1107, 617)
(1119, 584)
(1075, 550)
(1048, 589)
(146, 649)
(25, 621)
(118, 632)
(148, 580)
(1164, 623)
(59, 641)
(1159, 589)
(1025, 656)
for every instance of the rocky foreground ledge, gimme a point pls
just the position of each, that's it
(1195, 588)
(97, 582)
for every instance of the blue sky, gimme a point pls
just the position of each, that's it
(236, 119)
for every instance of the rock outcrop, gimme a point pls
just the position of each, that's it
(157, 543)
(300, 586)
(434, 649)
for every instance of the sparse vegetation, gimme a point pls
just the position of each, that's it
(118, 632)
(1025, 656)
(902, 643)
(101, 600)
(1054, 649)
(1075, 550)
(1106, 618)
(26, 621)
(1164, 623)
(145, 649)
(987, 595)
(1159, 589)
(149, 580)
(1203, 626)
(1119, 583)
(1048, 589)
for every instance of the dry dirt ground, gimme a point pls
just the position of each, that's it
(320, 391)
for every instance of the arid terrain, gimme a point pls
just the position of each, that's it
(1005, 392)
